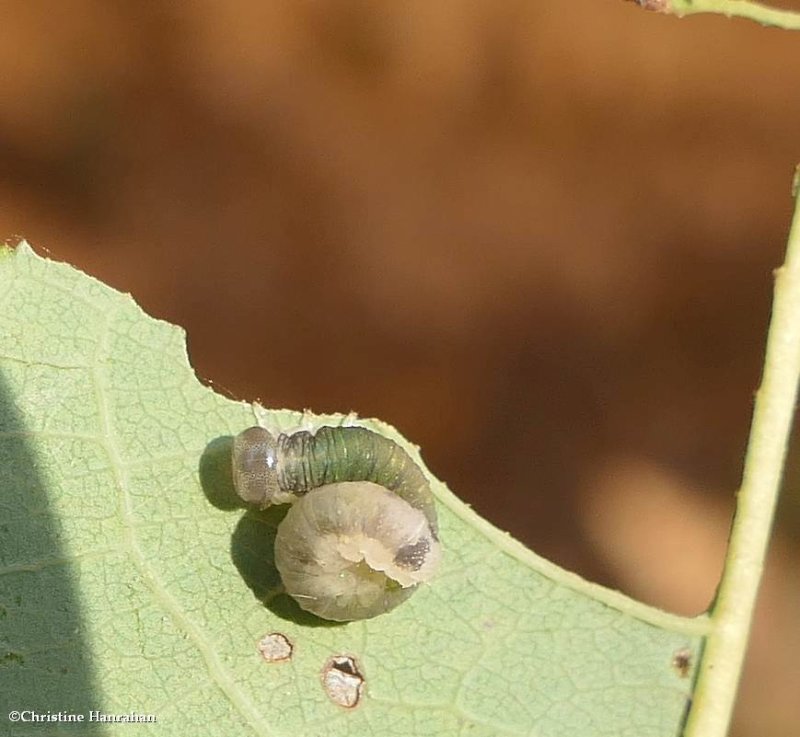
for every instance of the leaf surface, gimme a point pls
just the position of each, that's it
(131, 581)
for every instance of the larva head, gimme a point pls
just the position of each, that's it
(354, 550)
(255, 473)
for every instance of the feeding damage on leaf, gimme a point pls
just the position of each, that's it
(342, 681)
(275, 647)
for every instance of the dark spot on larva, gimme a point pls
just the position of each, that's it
(682, 661)
(275, 647)
(413, 556)
(342, 681)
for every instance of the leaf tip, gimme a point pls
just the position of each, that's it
(17, 247)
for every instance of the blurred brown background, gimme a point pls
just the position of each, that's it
(535, 236)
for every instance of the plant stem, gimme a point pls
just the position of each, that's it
(769, 435)
(762, 14)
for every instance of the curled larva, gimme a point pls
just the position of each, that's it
(353, 550)
(362, 531)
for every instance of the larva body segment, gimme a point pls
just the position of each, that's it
(340, 551)
(362, 532)
(307, 461)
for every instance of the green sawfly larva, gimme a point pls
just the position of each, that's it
(362, 532)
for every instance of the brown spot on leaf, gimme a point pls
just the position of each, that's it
(682, 661)
(342, 681)
(275, 647)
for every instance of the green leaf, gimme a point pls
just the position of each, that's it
(131, 582)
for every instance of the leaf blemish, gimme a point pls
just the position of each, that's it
(12, 658)
(342, 681)
(682, 661)
(275, 647)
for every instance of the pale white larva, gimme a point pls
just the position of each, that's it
(362, 532)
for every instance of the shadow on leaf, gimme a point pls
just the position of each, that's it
(253, 540)
(45, 660)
